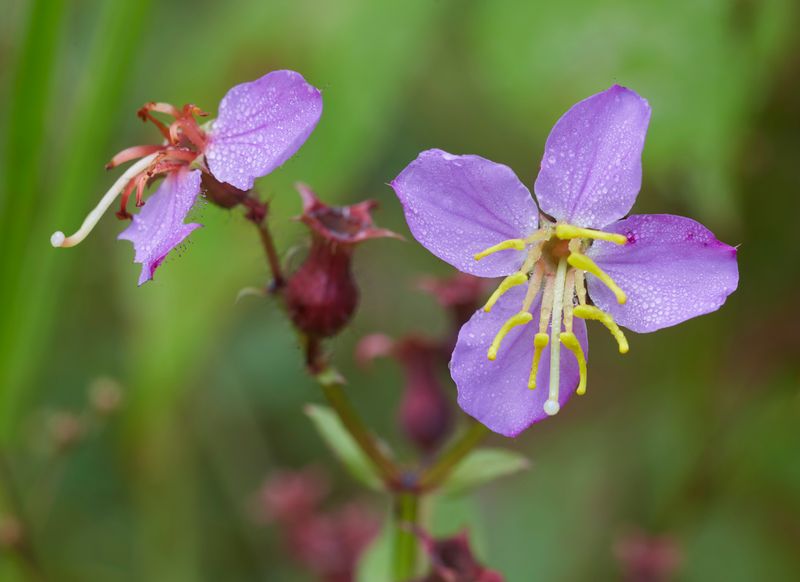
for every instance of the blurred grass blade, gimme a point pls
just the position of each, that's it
(25, 138)
(39, 268)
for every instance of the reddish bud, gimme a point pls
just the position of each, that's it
(647, 558)
(221, 193)
(425, 413)
(292, 496)
(322, 295)
(452, 560)
(327, 543)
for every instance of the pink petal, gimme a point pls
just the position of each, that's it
(672, 269)
(261, 124)
(496, 392)
(457, 206)
(159, 227)
(591, 171)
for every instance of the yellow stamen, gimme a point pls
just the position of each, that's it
(569, 294)
(540, 341)
(514, 243)
(547, 303)
(591, 312)
(508, 283)
(567, 231)
(580, 287)
(571, 343)
(533, 287)
(520, 318)
(581, 261)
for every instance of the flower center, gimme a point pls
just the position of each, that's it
(555, 266)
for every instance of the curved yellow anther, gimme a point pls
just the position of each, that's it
(567, 231)
(591, 312)
(513, 243)
(540, 341)
(581, 261)
(520, 318)
(571, 343)
(508, 283)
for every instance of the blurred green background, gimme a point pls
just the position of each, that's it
(694, 435)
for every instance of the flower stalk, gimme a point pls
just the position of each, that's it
(438, 473)
(406, 506)
(332, 385)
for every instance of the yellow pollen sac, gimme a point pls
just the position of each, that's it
(567, 231)
(571, 343)
(540, 341)
(581, 261)
(591, 312)
(514, 243)
(520, 318)
(508, 283)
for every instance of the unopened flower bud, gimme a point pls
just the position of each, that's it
(322, 295)
(221, 194)
(291, 496)
(647, 558)
(425, 413)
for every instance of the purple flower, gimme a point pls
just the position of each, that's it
(261, 124)
(644, 272)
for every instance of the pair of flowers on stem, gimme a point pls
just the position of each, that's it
(573, 257)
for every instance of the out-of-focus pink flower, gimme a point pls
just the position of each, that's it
(461, 294)
(327, 543)
(452, 560)
(647, 558)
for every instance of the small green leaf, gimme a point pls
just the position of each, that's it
(375, 563)
(482, 466)
(342, 445)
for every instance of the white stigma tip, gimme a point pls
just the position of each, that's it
(57, 238)
(551, 407)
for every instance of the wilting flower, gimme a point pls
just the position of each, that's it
(322, 295)
(644, 272)
(452, 560)
(260, 125)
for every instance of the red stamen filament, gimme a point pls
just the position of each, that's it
(132, 153)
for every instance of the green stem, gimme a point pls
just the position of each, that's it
(405, 539)
(333, 388)
(436, 474)
(273, 259)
